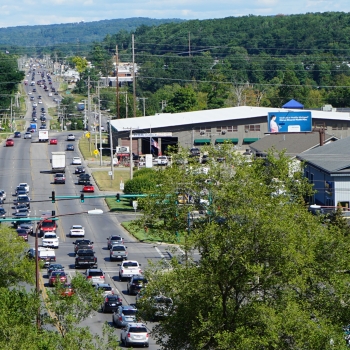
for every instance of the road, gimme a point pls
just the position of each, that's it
(29, 161)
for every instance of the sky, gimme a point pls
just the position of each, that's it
(37, 12)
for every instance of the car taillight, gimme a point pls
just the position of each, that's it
(140, 271)
(120, 299)
(146, 335)
(120, 318)
(89, 276)
(106, 300)
(122, 271)
(128, 335)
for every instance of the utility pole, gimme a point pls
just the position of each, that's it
(144, 104)
(99, 121)
(133, 75)
(131, 157)
(89, 113)
(126, 104)
(111, 146)
(117, 79)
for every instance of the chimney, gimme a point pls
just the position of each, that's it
(321, 132)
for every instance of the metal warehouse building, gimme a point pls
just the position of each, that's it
(241, 125)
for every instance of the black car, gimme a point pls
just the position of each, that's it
(111, 303)
(17, 134)
(17, 224)
(84, 179)
(26, 226)
(79, 170)
(2, 212)
(42, 127)
(136, 284)
(23, 200)
(70, 147)
(54, 267)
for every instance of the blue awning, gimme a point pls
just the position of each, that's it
(292, 104)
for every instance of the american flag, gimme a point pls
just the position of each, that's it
(154, 143)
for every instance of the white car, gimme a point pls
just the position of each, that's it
(129, 268)
(162, 160)
(50, 239)
(29, 92)
(27, 135)
(50, 94)
(35, 104)
(24, 184)
(40, 101)
(77, 231)
(70, 137)
(76, 161)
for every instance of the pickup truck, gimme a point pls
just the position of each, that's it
(83, 244)
(118, 252)
(85, 258)
(129, 268)
(47, 255)
(50, 239)
(47, 226)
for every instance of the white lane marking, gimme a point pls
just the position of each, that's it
(159, 252)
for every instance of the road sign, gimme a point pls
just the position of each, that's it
(134, 204)
(110, 173)
(95, 152)
(121, 186)
(87, 135)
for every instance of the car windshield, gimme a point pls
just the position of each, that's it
(129, 312)
(112, 299)
(116, 238)
(105, 288)
(50, 236)
(118, 247)
(58, 273)
(48, 224)
(138, 330)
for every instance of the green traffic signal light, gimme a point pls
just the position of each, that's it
(118, 197)
(53, 197)
(82, 198)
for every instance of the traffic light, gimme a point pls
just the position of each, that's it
(53, 198)
(118, 197)
(53, 213)
(82, 198)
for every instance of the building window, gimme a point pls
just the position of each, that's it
(312, 178)
(232, 128)
(219, 129)
(345, 126)
(307, 174)
(252, 127)
(337, 127)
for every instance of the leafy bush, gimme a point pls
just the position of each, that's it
(143, 181)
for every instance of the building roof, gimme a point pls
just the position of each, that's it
(333, 157)
(293, 143)
(212, 115)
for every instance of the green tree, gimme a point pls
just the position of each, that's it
(269, 274)
(184, 100)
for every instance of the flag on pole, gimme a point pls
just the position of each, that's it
(6, 51)
(154, 144)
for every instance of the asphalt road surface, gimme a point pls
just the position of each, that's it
(29, 161)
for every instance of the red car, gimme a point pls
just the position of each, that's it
(9, 142)
(88, 188)
(57, 275)
(67, 290)
(53, 142)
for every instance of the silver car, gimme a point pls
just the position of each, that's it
(124, 315)
(118, 252)
(27, 135)
(134, 334)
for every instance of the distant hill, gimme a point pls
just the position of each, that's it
(81, 32)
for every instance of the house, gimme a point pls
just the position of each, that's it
(328, 169)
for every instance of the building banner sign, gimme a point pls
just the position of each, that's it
(300, 121)
(153, 134)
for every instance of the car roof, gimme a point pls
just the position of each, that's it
(131, 324)
(128, 307)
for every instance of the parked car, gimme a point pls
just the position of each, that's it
(111, 303)
(134, 334)
(2, 212)
(124, 315)
(162, 160)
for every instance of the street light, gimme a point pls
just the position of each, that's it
(37, 287)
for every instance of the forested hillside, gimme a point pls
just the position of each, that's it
(83, 32)
(251, 60)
